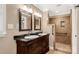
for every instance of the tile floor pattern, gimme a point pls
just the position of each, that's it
(55, 52)
(61, 49)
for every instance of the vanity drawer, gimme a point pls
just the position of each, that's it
(35, 49)
(22, 50)
(21, 43)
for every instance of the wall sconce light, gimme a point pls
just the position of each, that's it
(38, 14)
(27, 9)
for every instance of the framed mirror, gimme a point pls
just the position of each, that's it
(25, 20)
(37, 23)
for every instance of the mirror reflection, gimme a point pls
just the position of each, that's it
(25, 21)
(37, 23)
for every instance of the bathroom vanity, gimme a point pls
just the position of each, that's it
(32, 44)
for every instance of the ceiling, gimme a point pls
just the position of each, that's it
(55, 9)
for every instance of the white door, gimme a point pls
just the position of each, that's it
(77, 24)
(74, 30)
(51, 31)
(53, 34)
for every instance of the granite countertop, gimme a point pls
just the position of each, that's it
(21, 37)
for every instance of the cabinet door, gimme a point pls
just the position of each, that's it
(45, 41)
(22, 48)
(45, 44)
(35, 47)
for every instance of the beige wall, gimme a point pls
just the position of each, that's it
(7, 43)
(45, 21)
(47, 28)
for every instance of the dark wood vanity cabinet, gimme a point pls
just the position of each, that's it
(36, 46)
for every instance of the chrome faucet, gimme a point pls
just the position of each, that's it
(29, 32)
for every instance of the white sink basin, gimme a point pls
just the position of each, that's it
(31, 37)
(41, 34)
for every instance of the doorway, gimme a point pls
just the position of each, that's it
(62, 30)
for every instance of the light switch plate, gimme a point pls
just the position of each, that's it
(10, 26)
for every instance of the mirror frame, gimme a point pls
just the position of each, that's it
(35, 22)
(20, 15)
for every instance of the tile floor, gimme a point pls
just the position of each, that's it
(61, 49)
(55, 52)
